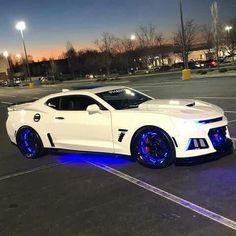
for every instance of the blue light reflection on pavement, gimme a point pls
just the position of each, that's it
(83, 158)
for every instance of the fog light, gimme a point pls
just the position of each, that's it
(218, 136)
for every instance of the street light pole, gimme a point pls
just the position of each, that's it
(132, 39)
(21, 26)
(183, 35)
(227, 29)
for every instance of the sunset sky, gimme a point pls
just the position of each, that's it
(51, 23)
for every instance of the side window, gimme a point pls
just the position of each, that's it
(78, 103)
(54, 103)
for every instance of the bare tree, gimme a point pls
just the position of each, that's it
(106, 46)
(159, 41)
(230, 38)
(124, 53)
(71, 57)
(190, 29)
(217, 29)
(147, 35)
(30, 58)
(54, 69)
(207, 37)
(118, 46)
(43, 59)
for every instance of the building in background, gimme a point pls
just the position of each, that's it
(4, 68)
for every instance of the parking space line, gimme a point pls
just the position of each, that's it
(43, 167)
(234, 142)
(225, 98)
(5, 95)
(234, 112)
(171, 83)
(145, 90)
(8, 103)
(231, 121)
(157, 86)
(180, 201)
(162, 193)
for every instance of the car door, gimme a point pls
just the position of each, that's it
(72, 127)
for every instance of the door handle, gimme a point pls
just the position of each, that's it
(59, 118)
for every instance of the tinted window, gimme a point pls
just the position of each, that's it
(54, 103)
(77, 103)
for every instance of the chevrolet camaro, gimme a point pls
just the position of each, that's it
(121, 120)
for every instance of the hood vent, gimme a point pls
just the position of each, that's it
(191, 104)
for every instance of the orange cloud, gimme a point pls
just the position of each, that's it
(55, 52)
(39, 54)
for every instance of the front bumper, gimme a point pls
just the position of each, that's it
(226, 149)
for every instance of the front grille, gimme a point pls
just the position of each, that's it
(218, 137)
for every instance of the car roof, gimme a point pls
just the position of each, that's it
(84, 90)
(92, 89)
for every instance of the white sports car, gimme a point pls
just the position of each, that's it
(121, 120)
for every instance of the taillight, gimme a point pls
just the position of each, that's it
(213, 63)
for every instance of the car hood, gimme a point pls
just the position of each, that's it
(183, 108)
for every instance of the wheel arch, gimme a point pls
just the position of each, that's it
(41, 133)
(28, 127)
(27, 149)
(145, 127)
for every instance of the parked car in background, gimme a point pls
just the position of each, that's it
(191, 65)
(5, 83)
(90, 76)
(194, 64)
(162, 68)
(178, 65)
(209, 63)
(43, 79)
(17, 82)
(229, 59)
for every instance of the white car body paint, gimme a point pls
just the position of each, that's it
(100, 131)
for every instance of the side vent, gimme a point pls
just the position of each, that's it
(50, 140)
(191, 104)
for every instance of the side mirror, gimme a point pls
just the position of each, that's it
(92, 109)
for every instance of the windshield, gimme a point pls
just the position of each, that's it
(123, 98)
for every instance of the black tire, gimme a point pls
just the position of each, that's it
(152, 147)
(29, 143)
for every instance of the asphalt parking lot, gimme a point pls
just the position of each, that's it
(88, 194)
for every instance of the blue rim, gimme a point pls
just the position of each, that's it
(28, 142)
(153, 148)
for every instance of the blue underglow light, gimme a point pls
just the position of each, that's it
(83, 158)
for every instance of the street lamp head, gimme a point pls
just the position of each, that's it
(228, 28)
(18, 56)
(132, 37)
(20, 25)
(5, 54)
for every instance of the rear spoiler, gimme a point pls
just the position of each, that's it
(14, 106)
